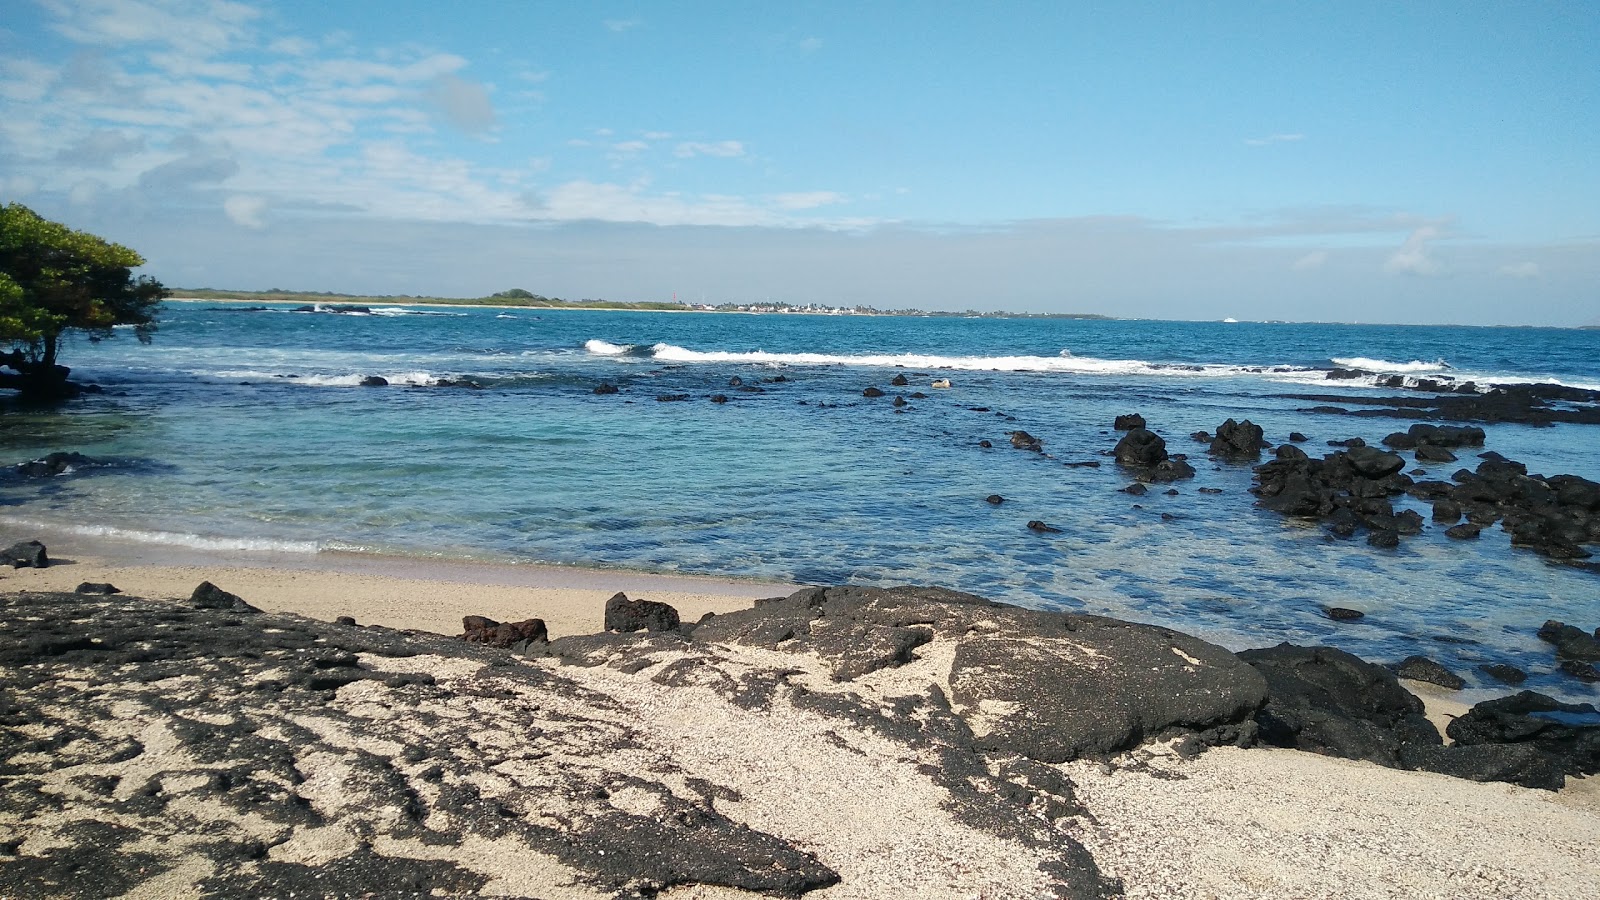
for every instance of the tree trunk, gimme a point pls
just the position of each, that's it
(41, 381)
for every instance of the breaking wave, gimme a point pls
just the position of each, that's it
(171, 538)
(1414, 367)
(1065, 362)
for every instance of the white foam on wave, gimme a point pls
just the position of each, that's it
(1066, 363)
(1414, 367)
(170, 538)
(604, 348)
(408, 379)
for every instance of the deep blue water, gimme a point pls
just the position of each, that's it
(247, 429)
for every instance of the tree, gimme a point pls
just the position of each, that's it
(54, 280)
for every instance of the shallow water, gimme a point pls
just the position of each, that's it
(247, 429)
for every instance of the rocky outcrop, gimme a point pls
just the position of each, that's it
(1566, 734)
(1528, 404)
(1128, 422)
(1049, 686)
(1348, 489)
(1330, 702)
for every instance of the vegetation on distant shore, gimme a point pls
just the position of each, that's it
(517, 297)
(54, 280)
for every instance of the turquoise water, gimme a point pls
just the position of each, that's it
(248, 429)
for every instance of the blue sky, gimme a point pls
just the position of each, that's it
(1416, 162)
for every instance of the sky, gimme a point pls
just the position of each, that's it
(1424, 162)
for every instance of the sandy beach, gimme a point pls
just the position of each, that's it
(849, 792)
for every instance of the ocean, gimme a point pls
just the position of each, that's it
(249, 429)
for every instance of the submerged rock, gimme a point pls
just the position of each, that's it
(53, 464)
(1421, 668)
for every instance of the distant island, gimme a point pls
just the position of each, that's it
(517, 297)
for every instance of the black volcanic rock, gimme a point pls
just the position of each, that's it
(1328, 701)
(52, 464)
(209, 596)
(100, 588)
(1140, 448)
(1128, 422)
(1504, 673)
(1237, 440)
(484, 630)
(25, 555)
(1421, 668)
(627, 615)
(1568, 732)
(1025, 441)
(1050, 686)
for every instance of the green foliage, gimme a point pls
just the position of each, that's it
(57, 279)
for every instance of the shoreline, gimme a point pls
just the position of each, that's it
(402, 592)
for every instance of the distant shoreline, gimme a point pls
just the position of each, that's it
(252, 297)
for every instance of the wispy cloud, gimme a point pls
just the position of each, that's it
(808, 199)
(1413, 258)
(1316, 259)
(810, 44)
(1275, 139)
(245, 210)
(1521, 270)
(621, 25)
(726, 149)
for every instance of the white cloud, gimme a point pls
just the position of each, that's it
(630, 147)
(1316, 259)
(808, 199)
(657, 135)
(726, 149)
(25, 80)
(621, 25)
(292, 46)
(1521, 270)
(1412, 258)
(245, 210)
(811, 44)
(1275, 139)
(199, 27)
